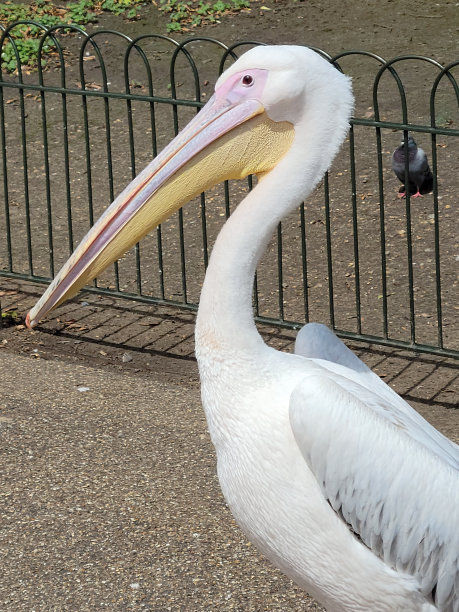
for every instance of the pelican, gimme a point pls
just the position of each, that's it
(337, 480)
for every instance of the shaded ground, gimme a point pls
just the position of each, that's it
(110, 497)
(109, 505)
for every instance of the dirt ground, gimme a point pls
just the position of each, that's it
(145, 341)
(431, 31)
(386, 28)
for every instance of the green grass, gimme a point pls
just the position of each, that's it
(9, 318)
(48, 13)
(186, 14)
(182, 16)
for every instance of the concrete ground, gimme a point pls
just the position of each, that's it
(109, 495)
(109, 499)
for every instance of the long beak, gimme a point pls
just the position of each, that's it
(225, 140)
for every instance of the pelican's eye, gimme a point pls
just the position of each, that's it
(247, 80)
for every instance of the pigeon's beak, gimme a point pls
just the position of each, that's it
(229, 138)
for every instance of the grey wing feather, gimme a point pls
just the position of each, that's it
(316, 341)
(423, 176)
(386, 482)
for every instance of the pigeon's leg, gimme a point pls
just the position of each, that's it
(401, 194)
(417, 195)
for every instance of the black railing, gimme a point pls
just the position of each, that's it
(373, 267)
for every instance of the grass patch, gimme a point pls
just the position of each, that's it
(186, 14)
(8, 318)
(27, 36)
(182, 16)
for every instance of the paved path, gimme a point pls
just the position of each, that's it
(108, 494)
(109, 499)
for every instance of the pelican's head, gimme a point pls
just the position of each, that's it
(261, 109)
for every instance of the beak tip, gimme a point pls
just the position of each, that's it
(30, 324)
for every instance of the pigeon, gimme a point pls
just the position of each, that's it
(419, 172)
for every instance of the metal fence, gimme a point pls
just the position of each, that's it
(354, 256)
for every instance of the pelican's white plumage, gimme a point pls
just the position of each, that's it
(327, 470)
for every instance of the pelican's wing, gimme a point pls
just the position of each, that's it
(316, 341)
(381, 474)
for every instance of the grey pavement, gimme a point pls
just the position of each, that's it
(109, 498)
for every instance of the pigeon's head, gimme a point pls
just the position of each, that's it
(411, 142)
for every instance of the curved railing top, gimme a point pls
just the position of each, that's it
(139, 60)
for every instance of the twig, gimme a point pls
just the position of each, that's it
(428, 16)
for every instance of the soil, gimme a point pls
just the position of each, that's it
(386, 28)
(157, 341)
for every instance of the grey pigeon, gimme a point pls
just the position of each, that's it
(419, 173)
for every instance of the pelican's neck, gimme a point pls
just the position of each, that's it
(225, 316)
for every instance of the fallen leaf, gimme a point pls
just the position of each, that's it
(93, 86)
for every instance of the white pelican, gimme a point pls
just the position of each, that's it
(337, 480)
